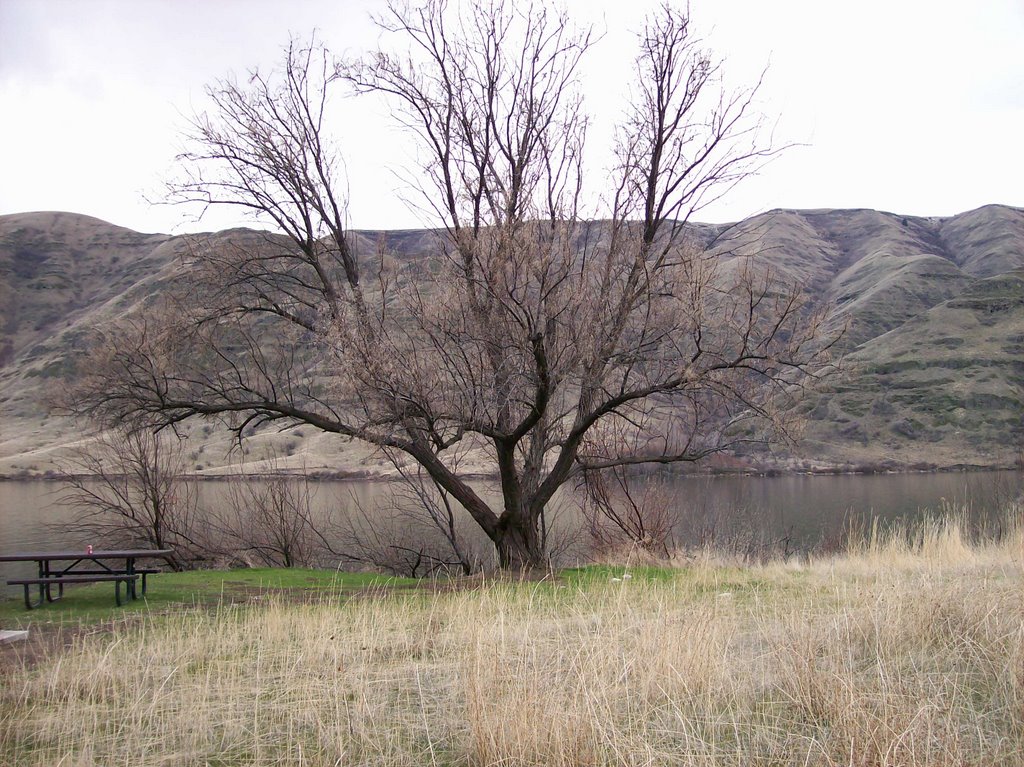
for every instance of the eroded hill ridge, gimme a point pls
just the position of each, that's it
(933, 310)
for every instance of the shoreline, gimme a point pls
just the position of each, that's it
(764, 472)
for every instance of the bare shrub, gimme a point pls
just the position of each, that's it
(270, 521)
(624, 511)
(651, 515)
(415, 532)
(738, 532)
(130, 490)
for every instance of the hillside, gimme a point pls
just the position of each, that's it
(933, 312)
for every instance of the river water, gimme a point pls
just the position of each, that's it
(795, 512)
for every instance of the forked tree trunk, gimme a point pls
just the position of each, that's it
(519, 543)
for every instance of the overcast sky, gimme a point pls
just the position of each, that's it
(912, 106)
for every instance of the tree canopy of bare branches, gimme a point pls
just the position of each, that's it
(554, 345)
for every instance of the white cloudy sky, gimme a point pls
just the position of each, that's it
(913, 106)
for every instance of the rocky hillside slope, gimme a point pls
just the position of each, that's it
(933, 311)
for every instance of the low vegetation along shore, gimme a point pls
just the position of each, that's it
(908, 649)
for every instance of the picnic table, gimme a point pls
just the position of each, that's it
(59, 568)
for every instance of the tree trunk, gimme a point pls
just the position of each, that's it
(518, 542)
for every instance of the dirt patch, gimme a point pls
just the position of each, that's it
(48, 640)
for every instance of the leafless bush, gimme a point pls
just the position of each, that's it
(657, 517)
(629, 511)
(270, 521)
(390, 539)
(129, 489)
(738, 530)
(414, 533)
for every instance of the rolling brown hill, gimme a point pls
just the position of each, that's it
(933, 311)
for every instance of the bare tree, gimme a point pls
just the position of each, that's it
(549, 345)
(129, 489)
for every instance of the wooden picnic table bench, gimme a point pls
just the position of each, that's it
(60, 568)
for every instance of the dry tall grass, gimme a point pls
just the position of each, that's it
(908, 650)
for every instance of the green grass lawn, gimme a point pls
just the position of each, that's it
(94, 603)
(593, 573)
(168, 592)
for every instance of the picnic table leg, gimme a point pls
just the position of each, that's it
(129, 567)
(44, 572)
(128, 589)
(28, 599)
(49, 593)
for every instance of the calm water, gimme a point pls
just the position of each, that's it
(799, 510)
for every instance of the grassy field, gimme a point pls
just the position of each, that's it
(906, 650)
(94, 604)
